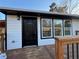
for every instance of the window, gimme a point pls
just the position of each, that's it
(67, 27)
(62, 27)
(46, 25)
(57, 27)
(77, 32)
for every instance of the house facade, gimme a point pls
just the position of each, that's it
(31, 27)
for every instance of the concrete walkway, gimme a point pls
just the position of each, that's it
(41, 52)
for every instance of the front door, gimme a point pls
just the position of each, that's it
(29, 31)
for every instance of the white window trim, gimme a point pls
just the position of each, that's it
(70, 29)
(61, 28)
(42, 28)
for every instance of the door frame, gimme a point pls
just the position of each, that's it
(36, 29)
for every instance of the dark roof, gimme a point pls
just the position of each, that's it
(18, 11)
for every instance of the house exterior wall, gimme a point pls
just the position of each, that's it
(14, 32)
(75, 26)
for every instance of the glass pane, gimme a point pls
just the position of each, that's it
(67, 23)
(46, 28)
(67, 27)
(67, 31)
(58, 26)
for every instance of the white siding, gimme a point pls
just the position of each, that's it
(43, 41)
(75, 25)
(14, 32)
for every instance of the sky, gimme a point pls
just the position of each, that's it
(27, 4)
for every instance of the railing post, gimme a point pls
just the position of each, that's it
(2, 42)
(59, 49)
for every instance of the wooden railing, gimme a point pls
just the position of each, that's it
(2, 42)
(67, 41)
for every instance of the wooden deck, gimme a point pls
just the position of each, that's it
(42, 52)
(67, 47)
(64, 48)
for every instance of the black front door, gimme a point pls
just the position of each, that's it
(29, 31)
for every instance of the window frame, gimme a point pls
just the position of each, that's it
(61, 27)
(70, 28)
(41, 28)
(53, 28)
(77, 32)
